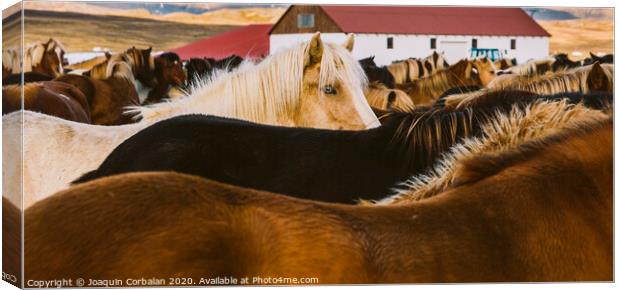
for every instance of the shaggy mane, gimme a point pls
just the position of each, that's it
(262, 92)
(502, 133)
(563, 80)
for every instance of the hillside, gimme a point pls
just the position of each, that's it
(224, 16)
(82, 32)
(580, 36)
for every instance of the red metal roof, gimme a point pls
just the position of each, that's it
(250, 41)
(434, 20)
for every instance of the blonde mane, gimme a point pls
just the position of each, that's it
(571, 80)
(33, 54)
(505, 132)
(431, 87)
(530, 68)
(89, 63)
(377, 95)
(262, 92)
(10, 60)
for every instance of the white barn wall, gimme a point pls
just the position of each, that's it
(527, 47)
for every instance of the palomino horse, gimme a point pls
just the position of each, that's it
(270, 90)
(408, 70)
(426, 90)
(486, 70)
(365, 164)
(53, 98)
(168, 72)
(311, 85)
(538, 212)
(379, 96)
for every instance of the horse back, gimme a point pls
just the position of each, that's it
(53, 98)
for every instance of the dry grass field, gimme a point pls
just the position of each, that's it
(581, 36)
(82, 32)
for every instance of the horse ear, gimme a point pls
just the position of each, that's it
(148, 50)
(592, 55)
(107, 54)
(597, 79)
(315, 49)
(348, 44)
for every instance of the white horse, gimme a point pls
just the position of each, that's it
(311, 85)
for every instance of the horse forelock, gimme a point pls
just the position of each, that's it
(504, 132)
(261, 92)
(36, 54)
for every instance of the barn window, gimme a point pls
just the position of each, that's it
(390, 42)
(513, 44)
(305, 20)
(433, 43)
(474, 43)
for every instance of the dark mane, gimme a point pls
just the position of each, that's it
(170, 56)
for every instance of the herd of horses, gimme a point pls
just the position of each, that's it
(309, 163)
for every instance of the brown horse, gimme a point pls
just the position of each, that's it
(140, 60)
(539, 212)
(107, 98)
(52, 98)
(505, 63)
(47, 58)
(169, 72)
(426, 90)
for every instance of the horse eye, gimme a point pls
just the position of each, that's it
(330, 90)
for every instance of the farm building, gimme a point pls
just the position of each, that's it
(251, 41)
(397, 32)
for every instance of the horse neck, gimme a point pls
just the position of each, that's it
(437, 83)
(556, 84)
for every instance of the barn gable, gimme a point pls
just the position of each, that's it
(288, 22)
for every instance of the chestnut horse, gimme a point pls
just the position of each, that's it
(46, 57)
(107, 98)
(168, 72)
(53, 98)
(113, 85)
(540, 212)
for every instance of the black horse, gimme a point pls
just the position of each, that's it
(375, 73)
(608, 58)
(325, 165)
(203, 68)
